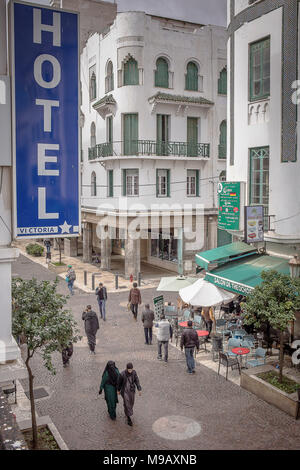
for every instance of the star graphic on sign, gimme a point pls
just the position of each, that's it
(65, 228)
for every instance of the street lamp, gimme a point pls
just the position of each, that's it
(294, 265)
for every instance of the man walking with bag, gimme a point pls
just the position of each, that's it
(70, 279)
(147, 319)
(101, 294)
(189, 340)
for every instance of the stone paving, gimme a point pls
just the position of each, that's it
(176, 410)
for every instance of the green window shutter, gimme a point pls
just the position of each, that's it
(223, 140)
(130, 134)
(157, 183)
(197, 184)
(260, 69)
(191, 78)
(168, 183)
(192, 136)
(131, 73)
(124, 183)
(110, 183)
(162, 73)
(222, 82)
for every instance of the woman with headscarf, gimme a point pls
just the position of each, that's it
(109, 384)
(128, 381)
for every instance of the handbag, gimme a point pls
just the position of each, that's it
(128, 306)
(67, 279)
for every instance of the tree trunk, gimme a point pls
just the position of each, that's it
(59, 249)
(281, 356)
(32, 405)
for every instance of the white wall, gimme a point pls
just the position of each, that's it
(145, 39)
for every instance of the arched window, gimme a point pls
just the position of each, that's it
(222, 82)
(191, 77)
(131, 73)
(162, 73)
(93, 184)
(92, 78)
(222, 175)
(109, 79)
(93, 135)
(223, 140)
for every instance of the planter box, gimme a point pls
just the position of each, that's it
(287, 402)
(45, 421)
(57, 269)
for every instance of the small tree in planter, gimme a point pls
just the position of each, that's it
(38, 315)
(274, 301)
(59, 243)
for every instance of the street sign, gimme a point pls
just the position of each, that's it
(229, 205)
(45, 72)
(158, 306)
(254, 224)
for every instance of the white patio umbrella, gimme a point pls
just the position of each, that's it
(204, 294)
(175, 283)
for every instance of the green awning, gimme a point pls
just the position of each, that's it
(223, 254)
(243, 275)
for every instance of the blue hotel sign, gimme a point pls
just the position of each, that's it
(45, 104)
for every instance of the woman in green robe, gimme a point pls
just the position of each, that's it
(109, 384)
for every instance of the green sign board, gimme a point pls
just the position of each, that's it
(229, 205)
(228, 284)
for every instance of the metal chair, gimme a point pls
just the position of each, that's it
(233, 343)
(260, 358)
(239, 333)
(186, 315)
(198, 322)
(221, 327)
(226, 361)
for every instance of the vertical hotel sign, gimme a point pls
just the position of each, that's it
(45, 112)
(229, 205)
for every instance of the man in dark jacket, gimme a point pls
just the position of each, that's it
(190, 340)
(127, 382)
(147, 319)
(91, 326)
(101, 294)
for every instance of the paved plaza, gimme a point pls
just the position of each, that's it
(176, 410)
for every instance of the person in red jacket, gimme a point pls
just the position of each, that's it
(135, 300)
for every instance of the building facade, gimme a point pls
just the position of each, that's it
(153, 140)
(263, 131)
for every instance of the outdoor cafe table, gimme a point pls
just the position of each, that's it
(183, 324)
(241, 352)
(202, 332)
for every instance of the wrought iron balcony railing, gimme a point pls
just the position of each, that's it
(149, 147)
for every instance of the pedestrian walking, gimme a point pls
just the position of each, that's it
(66, 354)
(127, 383)
(91, 326)
(135, 300)
(101, 294)
(109, 384)
(71, 276)
(147, 319)
(208, 317)
(164, 333)
(189, 340)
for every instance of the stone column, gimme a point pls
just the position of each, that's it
(70, 246)
(87, 243)
(9, 350)
(212, 223)
(105, 253)
(132, 257)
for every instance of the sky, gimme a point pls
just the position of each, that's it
(199, 11)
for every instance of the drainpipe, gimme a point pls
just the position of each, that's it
(180, 251)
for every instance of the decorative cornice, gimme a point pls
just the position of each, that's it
(160, 97)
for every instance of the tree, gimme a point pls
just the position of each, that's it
(59, 244)
(39, 317)
(273, 302)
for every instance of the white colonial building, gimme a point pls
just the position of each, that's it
(153, 136)
(263, 131)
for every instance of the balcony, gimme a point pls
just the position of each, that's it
(149, 148)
